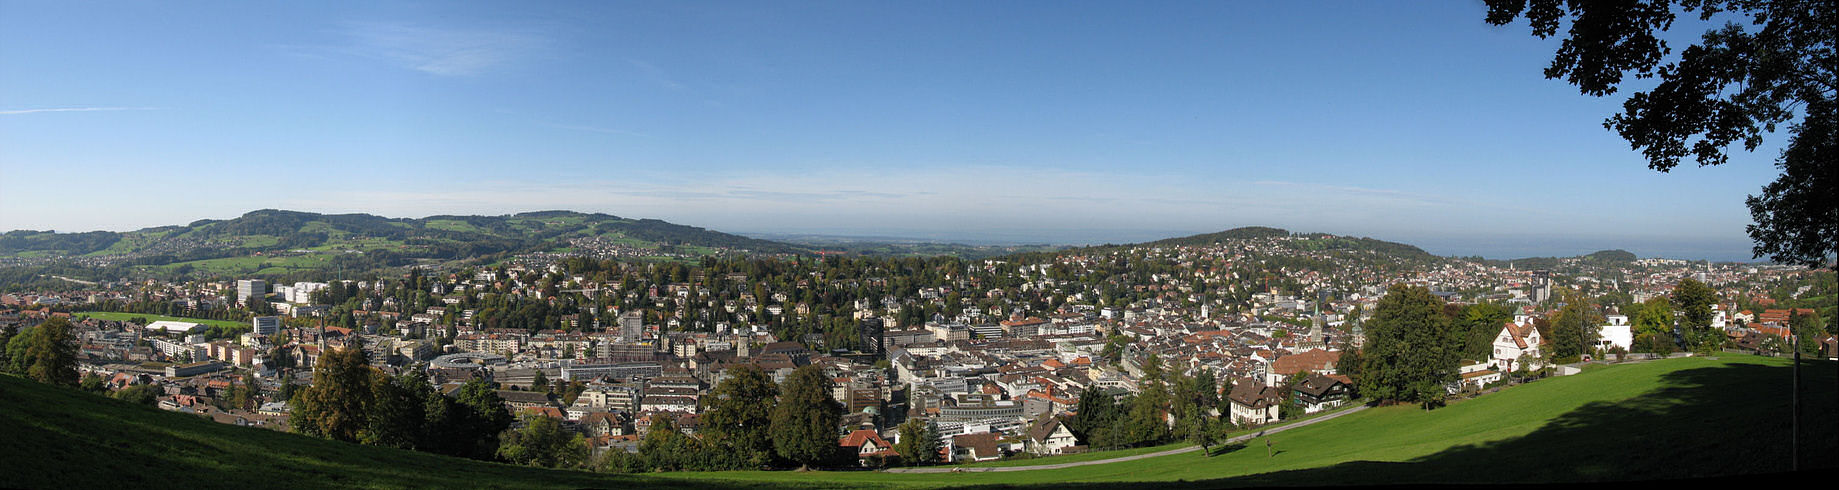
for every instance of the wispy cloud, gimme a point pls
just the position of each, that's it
(438, 50)
(11, 112)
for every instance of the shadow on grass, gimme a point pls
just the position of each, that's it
(62, 438)
(1703, 423)
(1219, 450)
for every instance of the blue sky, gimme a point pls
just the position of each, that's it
(1068, 122)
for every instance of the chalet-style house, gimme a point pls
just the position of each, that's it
(1321, 392)
(1517, 344)
(1254, 403)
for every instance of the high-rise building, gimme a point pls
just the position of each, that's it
(870, 329)
(631, 326)
(266, 325)
(250, 288)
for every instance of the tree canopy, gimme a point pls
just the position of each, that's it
(804, 426)
(336, 405)
(544, 442)
(51, 355)
(1693, 300)
(1770, 63)
(1410, 353)
(738, 413)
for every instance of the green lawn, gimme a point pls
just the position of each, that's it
(1074, 458)
(1664, 419)
(1117, 453)
(120, 317)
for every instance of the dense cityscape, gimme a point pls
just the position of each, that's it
(981, 359)
(946, 244)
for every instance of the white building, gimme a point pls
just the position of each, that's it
(250, 288)
(1517, 341)
(179, 327)
(1618, 333)
(266, 325)
(300, 292)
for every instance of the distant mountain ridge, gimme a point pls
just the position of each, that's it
(443, 236)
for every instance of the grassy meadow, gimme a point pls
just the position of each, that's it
(1678, 418)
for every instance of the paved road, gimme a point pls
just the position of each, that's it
(1189, 449)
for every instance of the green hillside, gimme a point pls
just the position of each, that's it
(1302, 241)
(1240, 233)
(1676, 418)
(269, 242)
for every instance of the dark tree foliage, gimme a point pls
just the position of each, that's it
(398, 410)
(1738, 83)
(336, 405)
(919, 442)
(1574, 327)
(544, 442)
(1094, 415)
(52, 353)
(739, 412)
(1410, 353)
(148, 395)
(804, 426)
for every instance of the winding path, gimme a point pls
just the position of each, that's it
(1189, 449)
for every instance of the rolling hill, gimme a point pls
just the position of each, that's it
(1301, 241)
(287, 241)
(1678, 418)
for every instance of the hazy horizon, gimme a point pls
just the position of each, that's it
(1496, 247)
(1020, 121)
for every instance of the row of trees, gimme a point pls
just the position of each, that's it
(1104, 421)
(749, 422)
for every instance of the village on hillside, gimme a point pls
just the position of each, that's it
(994, 355)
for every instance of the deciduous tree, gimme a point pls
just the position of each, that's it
(919, 442)
(738, 413)
(544, 442)
(1409, 353)
(1738, 83)
(336, 405)
(1693, 299)
(804, 426)
(52, 353)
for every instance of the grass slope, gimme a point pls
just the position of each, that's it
(1665, 419)
(1676, 418)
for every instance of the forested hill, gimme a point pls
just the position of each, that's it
(1600, 257)
(1223, 236)
(383, 241)
(1301, 241)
